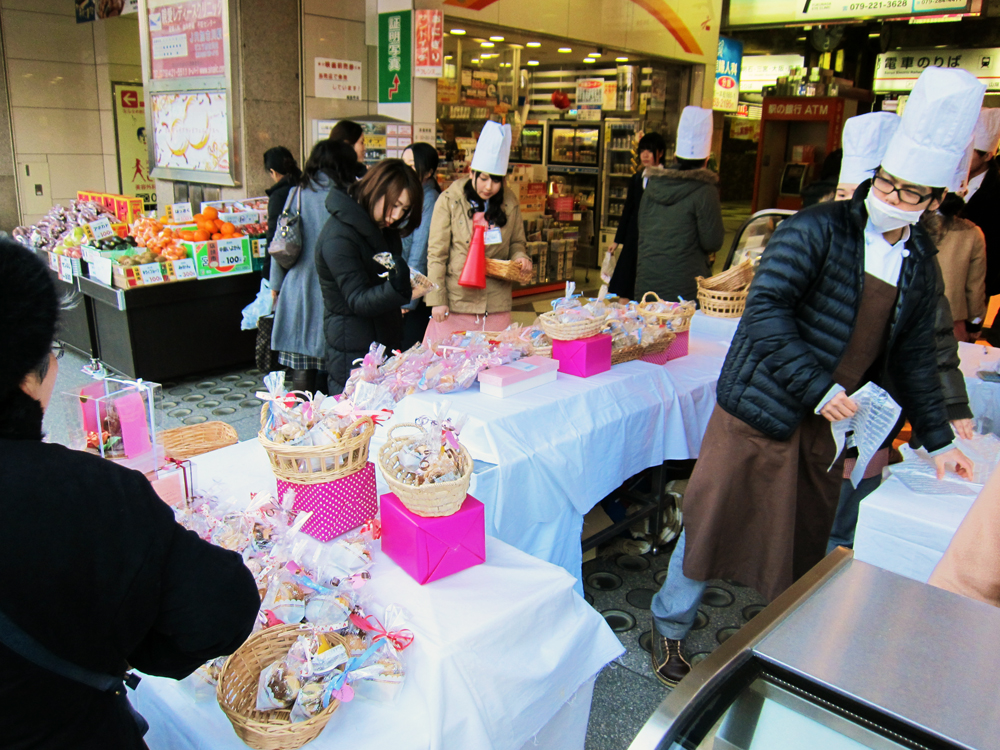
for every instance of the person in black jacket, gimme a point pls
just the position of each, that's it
(363, 299)
(284, 170)
(99, 573)
(982, 202)
(651, 150)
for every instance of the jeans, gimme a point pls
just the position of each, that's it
(676, 603)
(846, 520)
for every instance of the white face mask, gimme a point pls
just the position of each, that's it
(885, 217)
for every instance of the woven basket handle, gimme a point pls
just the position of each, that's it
(655, 296)
(401, 426)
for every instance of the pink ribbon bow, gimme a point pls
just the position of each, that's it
(399, 639)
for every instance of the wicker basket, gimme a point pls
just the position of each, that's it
(678, 319)
(316, 464)
(428, 500)
(183, 443)
(725, 295)
(237, 693)
(507, 270)
(579, 329)
(543, 348)
(629, 353)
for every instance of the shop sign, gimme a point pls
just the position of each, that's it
(765, 12)
(337, 79)
(900, 69)
(758, 71)
(89, 10)
(131, 140)
(787, 109)
(395, 57)
(428, 50)
(744, 130)
(742, 109)
(186, 39)
(727, 75)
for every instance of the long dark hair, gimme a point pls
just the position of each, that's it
(280, 159)
(388, 179)
(336, 159)
(940, 222)
(347, 131)
(493, 208)
(425, 161)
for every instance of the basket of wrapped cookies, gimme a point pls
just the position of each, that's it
(427, 469)
(676, 316)
(573, 318)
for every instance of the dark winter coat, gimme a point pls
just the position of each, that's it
(983, 210)
(680, 225)
(277, 194)
(360, 307)
(627, 235)
(799, 316)
(101, 575)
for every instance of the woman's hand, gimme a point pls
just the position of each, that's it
(405, 310)
(839, 407)
(274, 298)
(524, 264)
(964, 428)
(440, 313)
(953, 460)
(613, 247)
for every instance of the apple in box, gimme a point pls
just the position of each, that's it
(518, 377)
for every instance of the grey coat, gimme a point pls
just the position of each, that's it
(680, 225)
(298, 316)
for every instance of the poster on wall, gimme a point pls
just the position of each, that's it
(130, 137)
(727, 75)
(187, 39)
(589, 98)
(428, 31)
(90, 10)
(191, 131)
(337, 79)
(395, 57)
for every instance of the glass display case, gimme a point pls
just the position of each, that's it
(530, 148)
(573, 145)
(620, 163)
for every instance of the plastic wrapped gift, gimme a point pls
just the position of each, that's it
(119, 420)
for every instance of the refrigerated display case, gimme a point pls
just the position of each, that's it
(572, 145)
(851, 656)
(573, 161)
(530, 147)
(619, 164)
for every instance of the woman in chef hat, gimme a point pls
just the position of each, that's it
(845, 294)
(478, 200)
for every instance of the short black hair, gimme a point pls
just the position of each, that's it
(336, 159)
(347, 131)
(29, 313)
(654, 144)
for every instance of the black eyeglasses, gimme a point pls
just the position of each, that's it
(907, 196)
(57, 350)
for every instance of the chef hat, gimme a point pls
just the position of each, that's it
(492, 149)
(986, 136)
(960, 182)
(865, 139)
(935, 128)
(694, 134)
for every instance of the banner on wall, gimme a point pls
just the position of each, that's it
(395, 57)
(186, 39)
(337, 79)
(89, 10)
(130, 138)
(727, 75)
(428, 54)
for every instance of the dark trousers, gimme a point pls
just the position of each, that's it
(415, 324)
(846, 521)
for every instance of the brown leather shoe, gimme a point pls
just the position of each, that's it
(669, 664)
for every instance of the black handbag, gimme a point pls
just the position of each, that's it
(31, 650)
(286, 245)
(267, 360)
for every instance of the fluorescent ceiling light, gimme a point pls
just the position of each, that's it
(496, 38)
(487, 45)
(565, 50)
(532, 62)
(589, 60)
(533, 44)
(457, 32)
(621, 59)
(593, 54)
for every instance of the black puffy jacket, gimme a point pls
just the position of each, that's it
(359, 306)
(800, 314)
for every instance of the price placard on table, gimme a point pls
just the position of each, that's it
(151, 273)
(101, 269)
(100, 229)
(184, 269)
(179, 213)
(65, 268)
(230, 253)
(241, 218)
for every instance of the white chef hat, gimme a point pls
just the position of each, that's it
(694, 134)
(960, 182)
(986, 136)
(935, 128)
(865, 139)
(492, 149)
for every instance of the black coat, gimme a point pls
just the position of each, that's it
(360, 307)
(623, 279)
(99, 573)
(983, 210)
(277, 194)
(800, 314)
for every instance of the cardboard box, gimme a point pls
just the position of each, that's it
(583, 357)
(337, 506)
(518, 377)
(430, 549)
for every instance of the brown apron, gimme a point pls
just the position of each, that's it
(759, 510)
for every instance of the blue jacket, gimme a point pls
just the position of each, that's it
(415, 246)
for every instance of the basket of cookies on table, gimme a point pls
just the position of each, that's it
(573, 317)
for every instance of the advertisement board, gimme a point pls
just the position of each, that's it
(131, 140)
(899, 70)
(758, 71)
(767, 12)
(186, 39)
(395, 57)
(428, 50)
(191, 131)
(727, 75)
(337, 79)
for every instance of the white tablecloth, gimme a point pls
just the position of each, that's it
(504, 654)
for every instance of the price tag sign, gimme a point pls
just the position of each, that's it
(184, 269)
(151, 273)
(258, 248)
(100, 229)
(65, 268)
(240, 219)
(54, 261)
(100, 269)
(230, 253)
(180, 213)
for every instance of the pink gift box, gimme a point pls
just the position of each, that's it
(583, 357)
(517, 377)
(433, 548)
(678, 348)
(337, 506)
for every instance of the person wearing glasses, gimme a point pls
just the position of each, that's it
(478, 199)
(845, 294)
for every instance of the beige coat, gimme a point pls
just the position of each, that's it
(448, 247)
(971, 564)
(962, 255)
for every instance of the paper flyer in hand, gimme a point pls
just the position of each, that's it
(872, 424)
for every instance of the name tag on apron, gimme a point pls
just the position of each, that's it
(493, 236)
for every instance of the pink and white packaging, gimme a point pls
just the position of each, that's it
(433, 548)
(337, 506)
(518, 377)
(583, 357)
(678, 348)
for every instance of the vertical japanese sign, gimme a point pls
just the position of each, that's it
(130, 137)
(337, 79)
(395, 57)
(428, 61)
(727, 75)
(187, 39)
